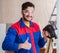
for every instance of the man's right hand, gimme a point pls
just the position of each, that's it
(26, 45)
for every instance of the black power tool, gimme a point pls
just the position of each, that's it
(49, 28)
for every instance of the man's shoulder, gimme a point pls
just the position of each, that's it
(15, 25)
(35, 24)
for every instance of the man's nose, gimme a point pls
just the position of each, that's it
(30, 14)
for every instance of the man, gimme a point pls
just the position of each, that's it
(24, 36)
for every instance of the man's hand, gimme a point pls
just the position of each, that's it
(26, 45)
(45, 35)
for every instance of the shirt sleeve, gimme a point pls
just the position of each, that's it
(41, 41)
(8, 43)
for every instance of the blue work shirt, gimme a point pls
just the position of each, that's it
(18, 34)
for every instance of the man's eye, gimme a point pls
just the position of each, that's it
(26, 11)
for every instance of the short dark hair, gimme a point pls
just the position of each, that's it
(27, 4)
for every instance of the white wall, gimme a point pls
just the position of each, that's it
(2, 35)
(58, 26)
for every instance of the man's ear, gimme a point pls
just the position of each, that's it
(21, 11)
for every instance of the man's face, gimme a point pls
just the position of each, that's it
(28, 13)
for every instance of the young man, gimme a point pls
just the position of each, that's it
(24, 36)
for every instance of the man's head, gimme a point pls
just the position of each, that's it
(27, 11)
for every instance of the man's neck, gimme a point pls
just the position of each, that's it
(27, 23)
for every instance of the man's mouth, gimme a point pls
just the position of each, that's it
(29, 16)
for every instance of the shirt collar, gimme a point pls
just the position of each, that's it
(22, 23)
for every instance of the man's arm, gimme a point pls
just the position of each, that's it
(41, 41)
(8, 43)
